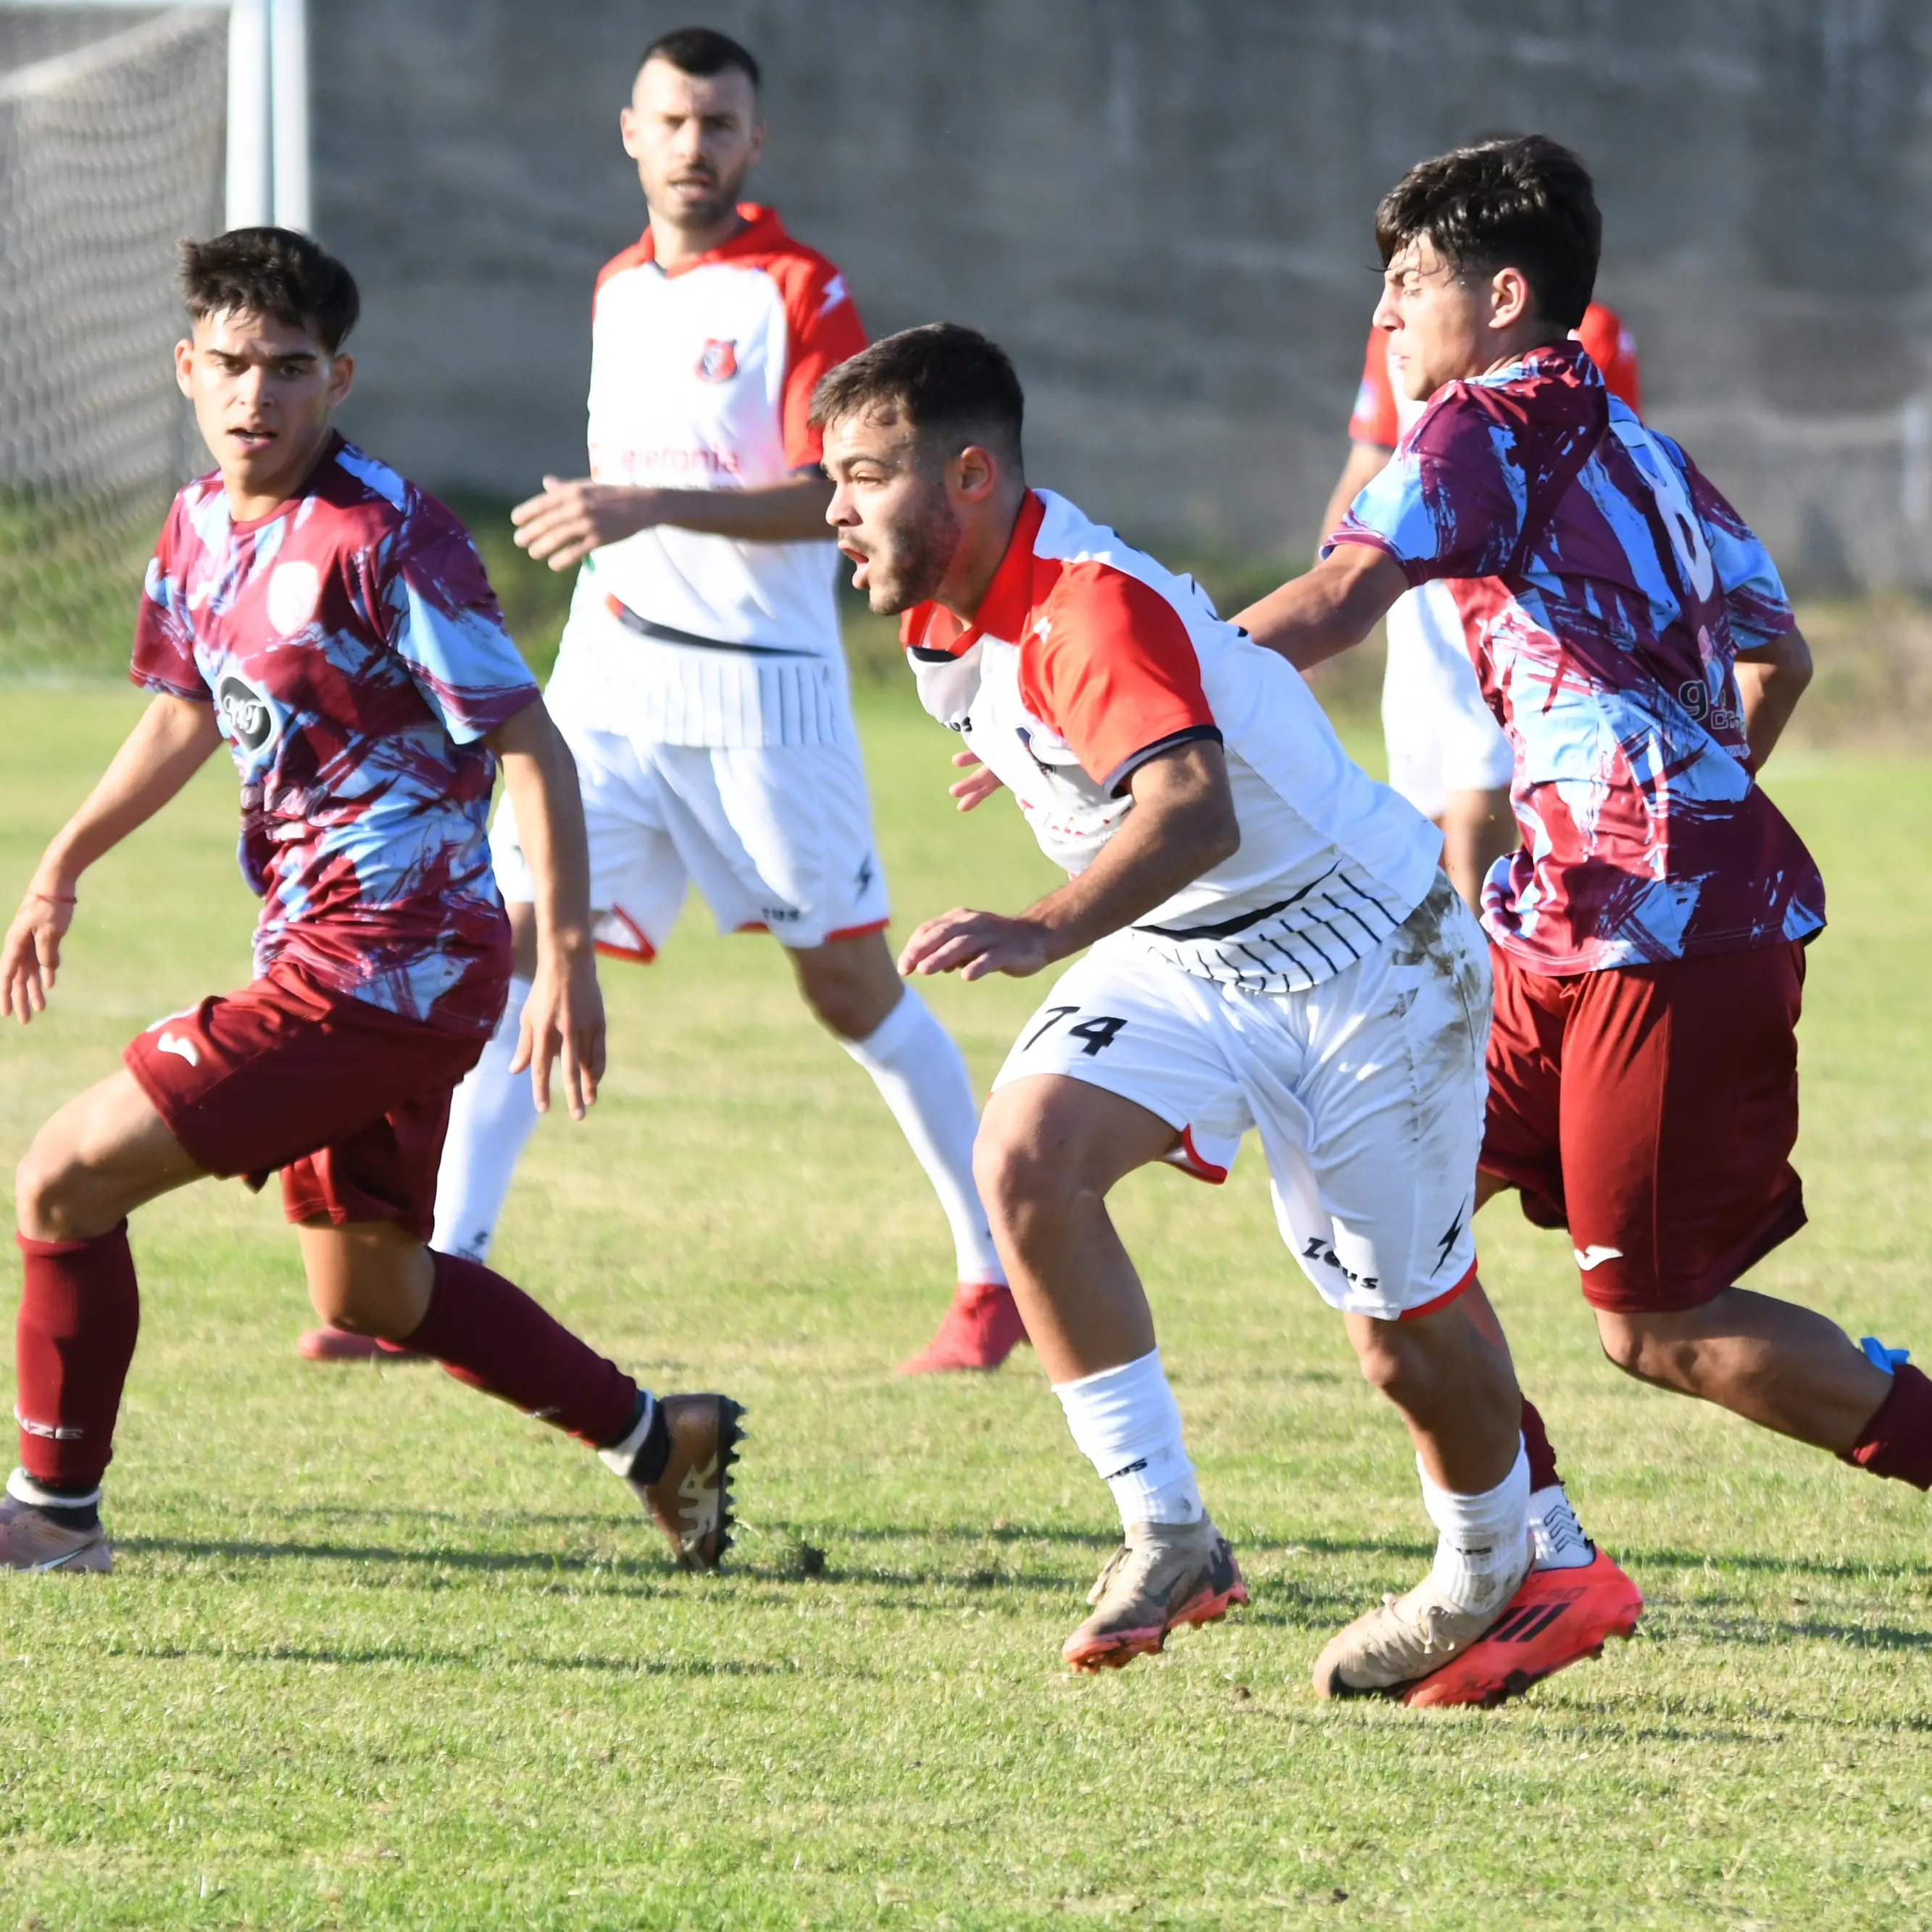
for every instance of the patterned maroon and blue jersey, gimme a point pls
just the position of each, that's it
(354, 654)
(1605, 589)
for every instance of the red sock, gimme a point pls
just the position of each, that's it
(1898, 1441)
(79, 1313)
(1536, 1447)
(491, 1334)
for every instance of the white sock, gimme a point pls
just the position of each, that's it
(1483, 1539)
(490, 1117)
(915, 1065)
(1126, 1422)
(1558, 1536)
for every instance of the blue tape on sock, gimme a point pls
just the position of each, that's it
(1880, 1356)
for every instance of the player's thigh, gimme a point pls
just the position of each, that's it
(1150, 1035)
(1372, 1151)
(1680, 1112)
(104, 1154)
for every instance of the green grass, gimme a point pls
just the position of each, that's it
(380, 1653)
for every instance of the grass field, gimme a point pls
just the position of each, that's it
(379, 1652)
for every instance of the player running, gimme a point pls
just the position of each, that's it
(1647, 939)
(1277, 948)
(1447, 754)
(701, 683)
(332, 623)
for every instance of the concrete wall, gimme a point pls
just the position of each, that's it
(1162, 208)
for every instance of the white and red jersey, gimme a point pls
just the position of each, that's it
(1383, 415)
(1086, 658)
(701, 378)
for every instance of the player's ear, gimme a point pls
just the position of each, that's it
(341, 378)
(185, 367)
(1511, 298)
(627, 129)
(975, 473)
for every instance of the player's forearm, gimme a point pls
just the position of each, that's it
(1328, 609)
(1164, 844)
(165, 749)
(781, 513)
(1771, 680)
(541, 777)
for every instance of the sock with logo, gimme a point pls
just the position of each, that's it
(490, 1117)
(79, 1313)
(1126, 1422)
(1898, 1440)
(920, 1073)
(1558, 1536)
(1481, 1539)
(488, 1333)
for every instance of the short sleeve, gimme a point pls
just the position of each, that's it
(1116, 675)
(163, 633)
(444, 623)
(1450, 503)
(825, 331)
(1374, 419)
(1754, 593)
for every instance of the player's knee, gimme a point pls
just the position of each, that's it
(1388, 1358)
(1639, 1346)
(47, 1187)
(1021, 1185)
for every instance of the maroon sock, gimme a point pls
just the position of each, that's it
(1536, 1447)
(79, 1313)
(1898, 1441)
(488, 1333)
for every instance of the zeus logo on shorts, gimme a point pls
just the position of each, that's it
(1319, 1250)
(247, 717)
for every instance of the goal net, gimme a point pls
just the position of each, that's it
(111, 148)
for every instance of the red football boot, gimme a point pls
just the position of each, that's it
(338, 1345)
(1557, 1617)
(981, 1330)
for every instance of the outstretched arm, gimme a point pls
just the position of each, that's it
(571, 519)
(565, 1011)
(1328, 610)
(168, 746)
(1771, 680)
(1183, 824)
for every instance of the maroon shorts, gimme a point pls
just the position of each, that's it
(1651, 1111)
(351, 1103)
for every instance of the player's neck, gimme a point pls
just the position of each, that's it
(1513, 345)
(982, 549)
(673, 247)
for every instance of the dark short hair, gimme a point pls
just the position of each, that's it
(700, 52)
(1526, 202)
(949, 382)
(271, 271)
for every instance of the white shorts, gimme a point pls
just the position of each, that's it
(1368, 1091)
(778, 838)
(1441, 737)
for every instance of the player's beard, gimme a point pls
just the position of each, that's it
(923, 547)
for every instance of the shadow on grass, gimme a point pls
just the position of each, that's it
(1838, 1570)
(494, 1659)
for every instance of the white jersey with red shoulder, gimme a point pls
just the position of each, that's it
(1086, 658)
(701, 378)
(354, 657)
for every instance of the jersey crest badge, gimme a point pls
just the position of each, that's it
(717, 361)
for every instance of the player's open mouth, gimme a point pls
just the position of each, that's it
(252, 439)
(860, 563)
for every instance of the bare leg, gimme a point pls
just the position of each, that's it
(1784, 1367)
(850, 984)
(369, 1277)
(1454, 1387)
(102, 1155)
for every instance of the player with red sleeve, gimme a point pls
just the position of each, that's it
(701, 682)
(1648, 938)
(1274, 947)
(1446, 753)
(333, 625)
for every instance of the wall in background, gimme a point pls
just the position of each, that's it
(1162, 208)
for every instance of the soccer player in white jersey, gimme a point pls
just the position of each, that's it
(1274, 946)
(701, 682)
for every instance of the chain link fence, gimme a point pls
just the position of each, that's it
(111, 149)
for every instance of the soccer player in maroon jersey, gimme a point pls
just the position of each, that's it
(1647, 939)
(333, 624)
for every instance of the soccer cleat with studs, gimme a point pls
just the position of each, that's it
(1163, 1575)
(980, 1330)
(690, 1498)
(31, 1540)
